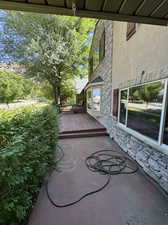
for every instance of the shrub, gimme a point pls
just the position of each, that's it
(27, 145)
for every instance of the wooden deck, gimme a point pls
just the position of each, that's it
(70, 122)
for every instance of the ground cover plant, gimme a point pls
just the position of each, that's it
(27, 146)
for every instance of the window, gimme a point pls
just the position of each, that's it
(99, 51)
(102, 47)
(142, 109)
(90, 65)
(165, 136)
(115, 102)
(145, 108)
(123, 106)
(94, 99)
(89, 99)
(131, 29)
(96, 95)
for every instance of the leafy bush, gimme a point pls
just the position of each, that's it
(27, 145)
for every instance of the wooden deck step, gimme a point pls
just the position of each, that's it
(83, 131)
(82, 134)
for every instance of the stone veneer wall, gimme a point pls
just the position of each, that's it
(105, 67)
(153, 162)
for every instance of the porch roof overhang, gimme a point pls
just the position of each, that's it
(98, 81)
(139, 11)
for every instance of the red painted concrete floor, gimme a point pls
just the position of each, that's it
(128, 200)
(78, 121)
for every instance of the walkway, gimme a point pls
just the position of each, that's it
(128, 200)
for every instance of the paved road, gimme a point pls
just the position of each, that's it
(17, 104)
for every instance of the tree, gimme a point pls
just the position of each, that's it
(68, 92)
(50, 47)
(147, 92)
(10, 88)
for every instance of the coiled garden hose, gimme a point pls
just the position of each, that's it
(105, 162)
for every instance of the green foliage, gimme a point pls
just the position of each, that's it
(27, 138)
(10, 88)
(147, 92)
(68, 92)
(14, 87)
(50, 47)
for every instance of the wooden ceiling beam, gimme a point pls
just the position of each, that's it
(8, 5)
(148, 7)
(112, 6)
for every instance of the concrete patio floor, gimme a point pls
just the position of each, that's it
(128, 200)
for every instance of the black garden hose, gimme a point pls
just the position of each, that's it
(105, 162)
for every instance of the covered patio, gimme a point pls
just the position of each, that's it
(128, 200)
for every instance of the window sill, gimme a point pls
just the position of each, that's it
(148, 141)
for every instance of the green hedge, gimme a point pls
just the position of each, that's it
(27, 145)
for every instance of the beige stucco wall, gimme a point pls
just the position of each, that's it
(146, 50)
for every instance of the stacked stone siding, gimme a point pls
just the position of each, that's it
(153, 162)
(105, 67)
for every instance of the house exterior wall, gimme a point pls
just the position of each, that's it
(146, 50)
(143, 58)
(104, 69)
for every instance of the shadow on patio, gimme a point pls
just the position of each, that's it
(127, 200)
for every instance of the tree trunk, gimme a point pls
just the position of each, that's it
(59, 88)
(55, 94)
(56, 97)
(59, 94)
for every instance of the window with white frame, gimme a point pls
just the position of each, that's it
(144, 109)
(96, 95)
(94, 98)
(123, 106)
(165, 128)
